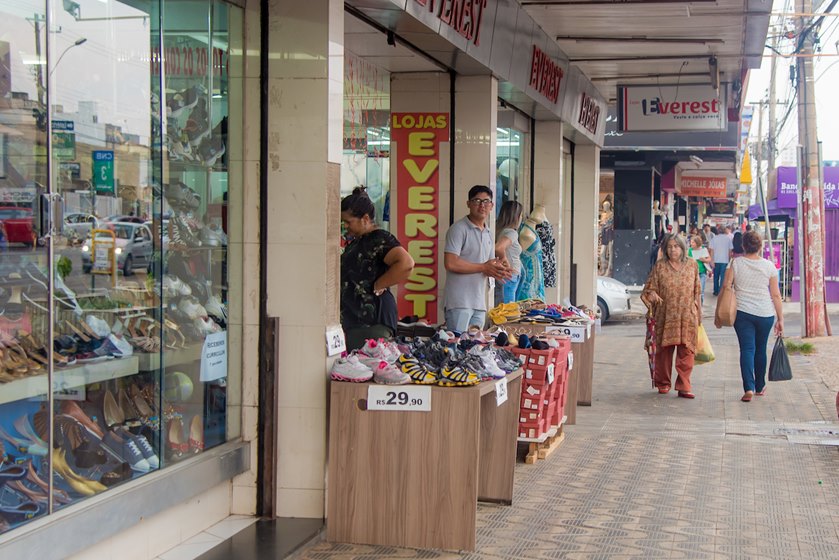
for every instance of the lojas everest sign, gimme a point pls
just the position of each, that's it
(670, 109)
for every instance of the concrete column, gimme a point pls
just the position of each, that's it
(586, 196)
(565, 239)
(476, 116)
(547, 178)
(305, 121)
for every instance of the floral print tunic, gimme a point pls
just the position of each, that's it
(676, 318)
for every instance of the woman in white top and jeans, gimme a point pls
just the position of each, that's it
(755, 282)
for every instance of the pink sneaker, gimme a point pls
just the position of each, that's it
(389, 374)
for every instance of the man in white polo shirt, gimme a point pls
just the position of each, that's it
(469, 260)
(720, 247)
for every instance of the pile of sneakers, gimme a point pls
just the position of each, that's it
(444, 359)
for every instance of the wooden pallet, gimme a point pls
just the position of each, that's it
(544, 446)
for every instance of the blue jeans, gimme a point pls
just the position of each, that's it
(508, 288)
(719, 274)
(753, 334)
(702, 278)
(460, 319)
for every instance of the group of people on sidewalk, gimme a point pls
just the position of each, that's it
(674, 294)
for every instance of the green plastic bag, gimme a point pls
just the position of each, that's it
(704, 352)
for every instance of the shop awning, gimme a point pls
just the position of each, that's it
(756, 211)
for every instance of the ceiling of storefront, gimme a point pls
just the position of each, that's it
(371, 45)
(655, 41)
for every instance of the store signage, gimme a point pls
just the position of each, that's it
(501, 391)
(670, 108)
(418, 137)
(464, 16)
(103, 171)
(788, 187)
(214, 357)
(709, 187)
(589, 113)
(189, 60)
(335, 341)
(545, 75)
(405, 398)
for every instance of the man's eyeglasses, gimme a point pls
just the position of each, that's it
(481, 201)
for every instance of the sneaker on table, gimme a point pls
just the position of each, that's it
(375, 351)
(416, 369)
(351, 369)
(490, 369)
(388, 374)
(452, 375)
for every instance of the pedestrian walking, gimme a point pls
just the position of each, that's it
(672, 292)
(720, 248)
(703, 260)
(755, 283)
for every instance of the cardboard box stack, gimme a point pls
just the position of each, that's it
(543, 389)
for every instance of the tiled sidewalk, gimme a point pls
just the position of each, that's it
(643, 475)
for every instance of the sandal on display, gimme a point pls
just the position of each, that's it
(176, 442)
(196, 434)
(77, 483)
(70, 408)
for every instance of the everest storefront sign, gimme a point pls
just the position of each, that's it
(709, 187)
(418, 137)
(464, 16)
(670, 108)
(545, 75)
(589, 113)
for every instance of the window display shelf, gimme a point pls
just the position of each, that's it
(151, 362)
(68, 378)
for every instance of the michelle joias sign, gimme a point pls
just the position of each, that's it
(710, 187)
(670, 108)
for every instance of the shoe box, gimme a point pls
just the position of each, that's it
(543, 398)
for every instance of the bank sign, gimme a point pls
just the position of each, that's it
(788, 187)
(670, 109)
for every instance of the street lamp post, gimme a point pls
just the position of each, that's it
(78, 42)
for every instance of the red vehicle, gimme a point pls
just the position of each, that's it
(18, 223)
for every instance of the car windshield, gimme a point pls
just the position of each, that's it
(14, 213)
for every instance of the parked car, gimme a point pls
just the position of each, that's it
(18, 223)
(134, 247)
(124, 218)
(79, 224)
(612, 298)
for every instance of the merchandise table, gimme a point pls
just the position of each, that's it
(584, 364)
(413, 479)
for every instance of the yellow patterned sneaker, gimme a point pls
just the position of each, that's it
(416, 369)
(451, 375)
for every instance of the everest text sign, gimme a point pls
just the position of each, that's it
(708, 187)
(545, 75)
(670, 108)
(418, 137)
(464, 16)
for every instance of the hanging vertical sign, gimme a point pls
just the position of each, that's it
(418, 137)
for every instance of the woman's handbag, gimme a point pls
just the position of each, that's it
(704, 352)
(779, 369)
(726, 311)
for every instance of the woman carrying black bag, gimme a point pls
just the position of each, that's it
(755, 281)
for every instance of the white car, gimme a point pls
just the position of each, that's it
(612, 298)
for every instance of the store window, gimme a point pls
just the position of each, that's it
(366, 155)
(512, 155)
(115, 190)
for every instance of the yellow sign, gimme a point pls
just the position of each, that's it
(746, 169)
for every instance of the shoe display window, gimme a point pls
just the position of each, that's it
(115, 244)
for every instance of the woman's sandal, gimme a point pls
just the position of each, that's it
(747, 397)
(761, 393)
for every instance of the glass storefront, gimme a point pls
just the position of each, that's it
(366, 155)
(115, 187)
(512, 156)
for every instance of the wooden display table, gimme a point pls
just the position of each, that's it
(413, 479)
(584, 364)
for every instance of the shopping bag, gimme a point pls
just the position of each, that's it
(726, 311)
(779, 369)
(704, 352)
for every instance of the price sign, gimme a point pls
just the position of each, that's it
(407, 398)
(570, 361)
(335, 341)
(500, 391)
(577, 334)
(550, 373)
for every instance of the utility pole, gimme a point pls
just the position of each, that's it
(761, 192)
(772, 100)
(811, 199)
